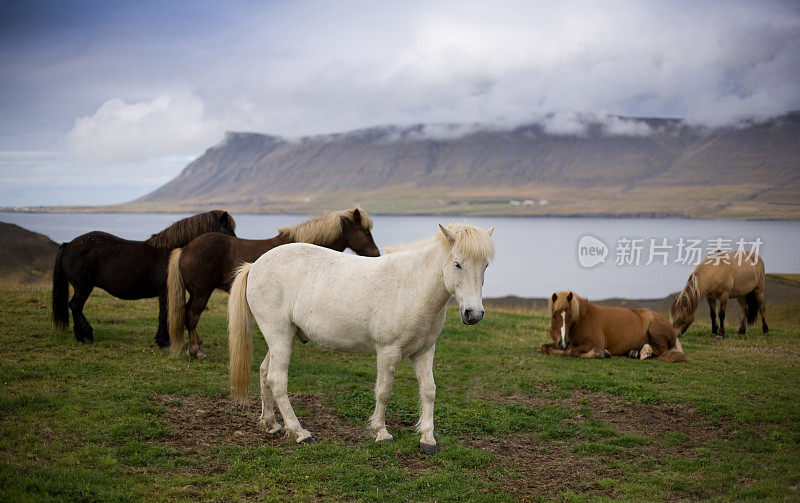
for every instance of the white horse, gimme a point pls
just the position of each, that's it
(392, 305)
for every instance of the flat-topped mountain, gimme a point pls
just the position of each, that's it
(638, 167)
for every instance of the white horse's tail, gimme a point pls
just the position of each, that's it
(176, 303)
(240, 342)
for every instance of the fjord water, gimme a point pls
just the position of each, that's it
(535, 256)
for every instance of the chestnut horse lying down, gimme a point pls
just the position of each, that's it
(588, 331)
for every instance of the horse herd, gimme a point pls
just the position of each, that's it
(297, 285)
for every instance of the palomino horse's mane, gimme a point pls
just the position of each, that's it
(690, 295)
(325, 229)
(183, 231)
(471, 242)
(562, 302)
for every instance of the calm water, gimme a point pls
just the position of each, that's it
(535, 256)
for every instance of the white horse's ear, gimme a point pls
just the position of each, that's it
(490, 230)
(451, 236)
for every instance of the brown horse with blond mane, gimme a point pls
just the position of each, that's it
(585, 330)
(209, 262)
(721, 276)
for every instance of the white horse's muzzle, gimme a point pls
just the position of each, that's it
(471, 316)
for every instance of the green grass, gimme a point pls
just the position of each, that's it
(83, 422)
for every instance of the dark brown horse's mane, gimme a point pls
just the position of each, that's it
(325, 229)
(183, 231)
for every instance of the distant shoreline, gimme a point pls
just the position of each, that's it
(621, 216)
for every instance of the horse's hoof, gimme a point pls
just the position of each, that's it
(633, 353)
(308, 440)
(428, 449)
(386, 440)
(606, 354)
(742, 331)
(720, 337)
(201, 356)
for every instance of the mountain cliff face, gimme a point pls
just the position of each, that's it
(254, 170)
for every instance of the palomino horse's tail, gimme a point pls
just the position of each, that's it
(752, 307)
(240, 342)
(176, 303)
(60, 292)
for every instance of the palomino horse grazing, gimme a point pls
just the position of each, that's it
(589, 331)
(739, 275)
(393, 306)
(210, 261)
(125, 269)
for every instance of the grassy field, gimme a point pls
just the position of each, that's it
(120, 420)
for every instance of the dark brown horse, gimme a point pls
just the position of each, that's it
(585, 330)
(125, 269)
(209, 262)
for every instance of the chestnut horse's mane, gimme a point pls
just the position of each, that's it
(325, 229)
(562, 302)
(183, 231)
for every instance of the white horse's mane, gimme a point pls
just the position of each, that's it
(471, 242)
(325, 229)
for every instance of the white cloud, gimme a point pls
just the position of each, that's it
(168, 125)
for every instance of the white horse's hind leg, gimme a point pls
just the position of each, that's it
(277, 376)
(387, 366)
(423, 367)
(267, 404)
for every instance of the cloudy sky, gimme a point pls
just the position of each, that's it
(101, 102)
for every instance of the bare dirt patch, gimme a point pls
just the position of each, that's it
(531, 466)
(542, 467)
(200, 424)
(654, 421)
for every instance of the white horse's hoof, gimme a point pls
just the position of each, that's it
(307, 440)
(387, 439)
(429, 449)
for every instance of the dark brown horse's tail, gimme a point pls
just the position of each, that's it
(176, 303)
(60, 292)
(752, 307)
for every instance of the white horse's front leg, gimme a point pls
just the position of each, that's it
(277, 377)
(423, 366)
(267, 421)
(387, 366)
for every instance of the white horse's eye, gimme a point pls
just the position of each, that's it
(458, 266)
